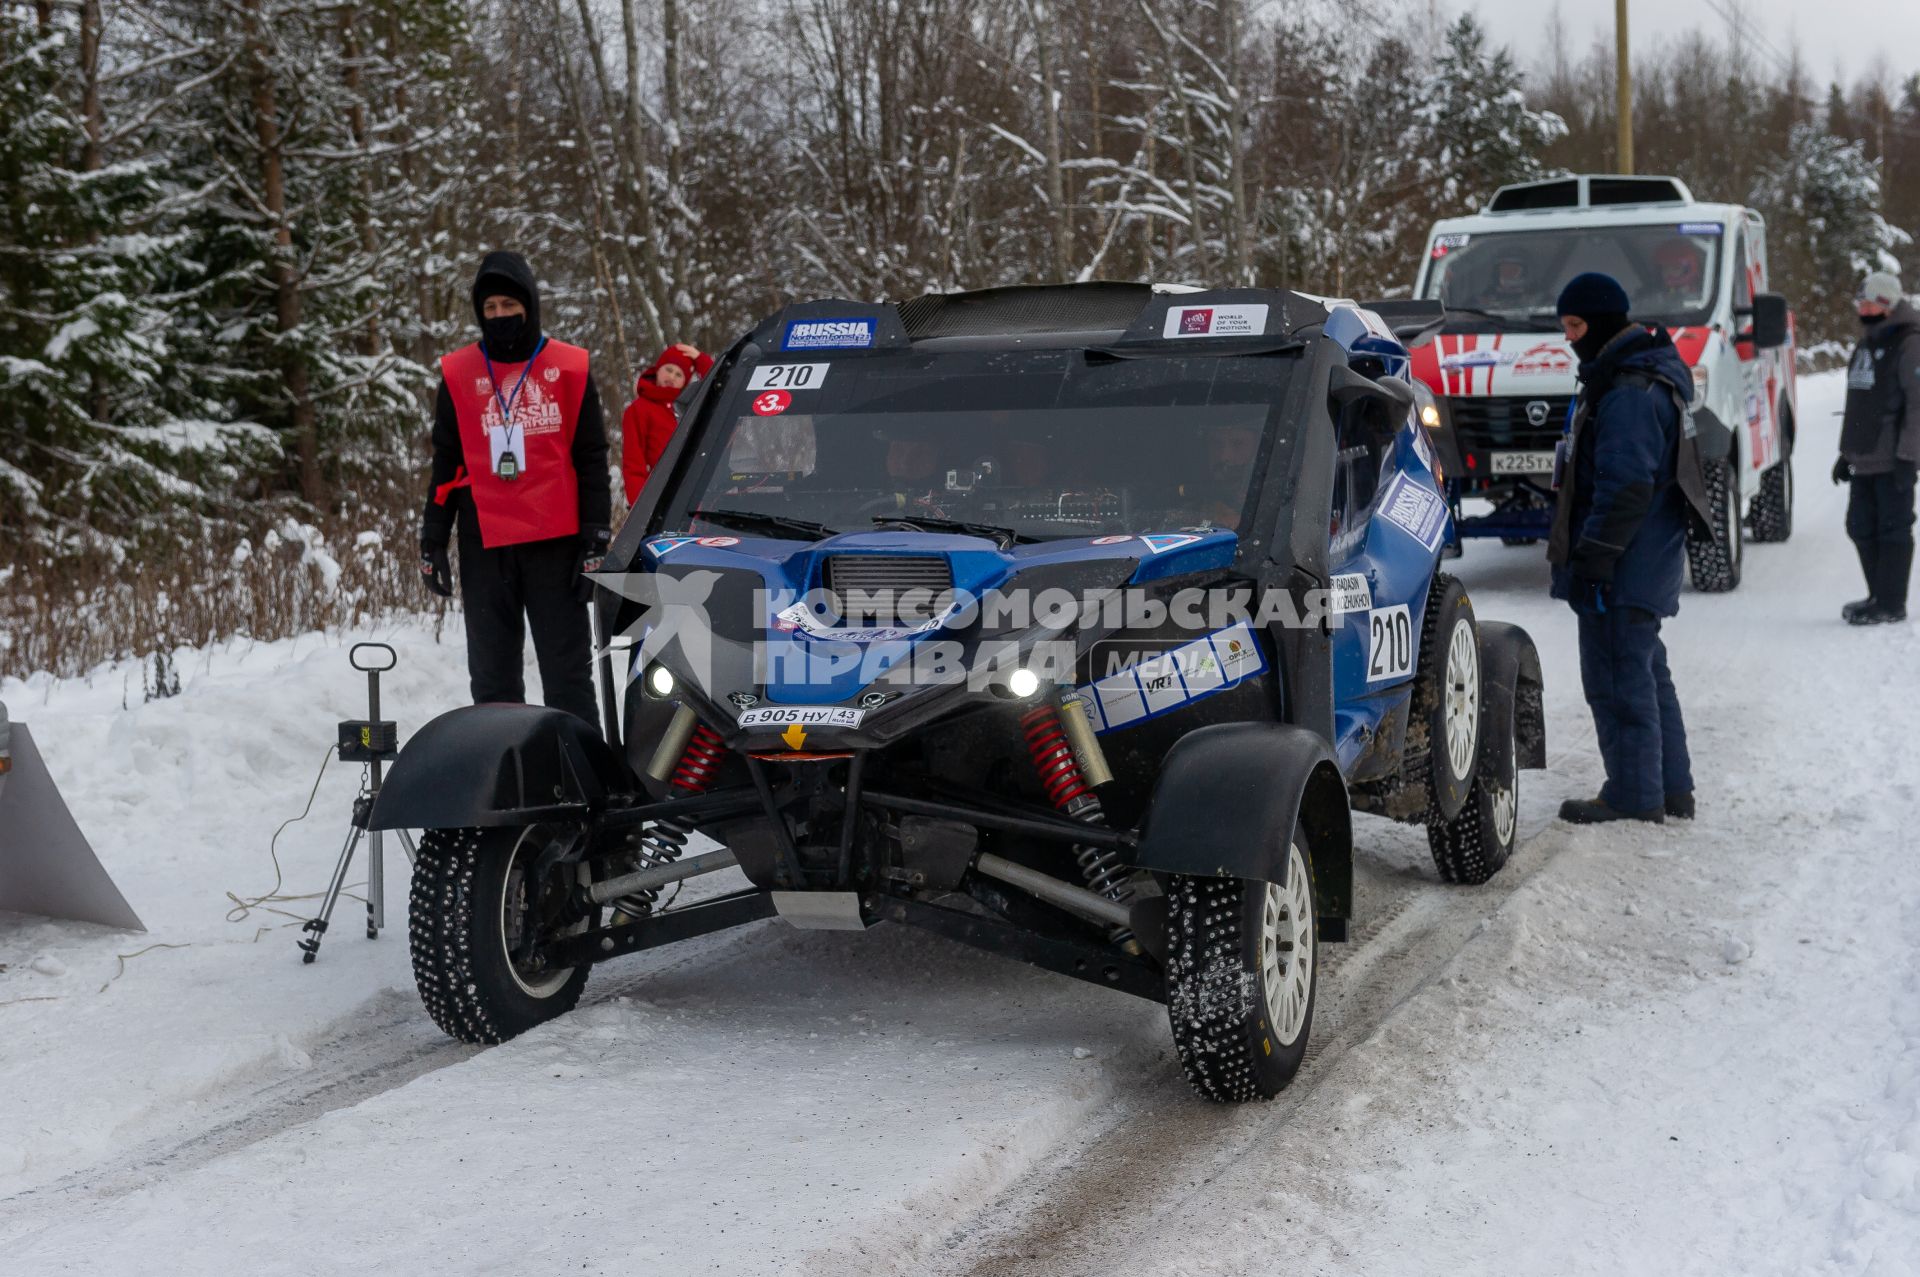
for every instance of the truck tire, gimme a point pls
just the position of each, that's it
(468, 907)
(1242, 966)
(1713, 562)
(1772, 513)
(1473, 846)
(1444, 718)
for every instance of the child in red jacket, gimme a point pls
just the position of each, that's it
(648, 423)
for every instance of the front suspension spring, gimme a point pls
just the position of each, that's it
(700, 763)
(1067, 790)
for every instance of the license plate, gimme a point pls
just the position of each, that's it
(1523, 462)
(803, 716)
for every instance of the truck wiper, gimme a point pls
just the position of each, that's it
(1505, 321)
(1003, 537)
(760, 521)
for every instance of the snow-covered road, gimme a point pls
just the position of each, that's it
(1685, 1049)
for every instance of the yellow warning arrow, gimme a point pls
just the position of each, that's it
(795, 736)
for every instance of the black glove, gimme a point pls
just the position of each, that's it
(1591, 595)
(435, 570)
(1842, 472)
(593, 551)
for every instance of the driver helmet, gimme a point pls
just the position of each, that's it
(1679, 262)
(1510, 274)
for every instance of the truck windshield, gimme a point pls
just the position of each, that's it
(1670, 270)
(1045, 444)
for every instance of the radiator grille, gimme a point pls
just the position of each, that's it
(890, 589)
(1501, 421)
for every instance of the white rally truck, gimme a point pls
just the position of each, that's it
(1504, 375)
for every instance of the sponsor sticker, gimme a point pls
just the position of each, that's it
(661, 547)
(718, 543)
(1350, 593)
(1215, 321)
(1166, 681)
(828, 334)
(1161, 542)
(1455, 240)
(1417, 511)
(1477, 359)
(788, 377)
(800, 618)
(1702, 228)
(1389, 644)
(771, 403)
(1110, 540)
(1544, 360)
(803, 716)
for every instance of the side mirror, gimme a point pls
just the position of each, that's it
(1769, 314)
(1383, 403)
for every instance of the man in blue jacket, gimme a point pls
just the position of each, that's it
(1618, 548)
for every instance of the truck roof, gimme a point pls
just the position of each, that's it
(1587, 199)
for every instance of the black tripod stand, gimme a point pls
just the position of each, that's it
(375, 742)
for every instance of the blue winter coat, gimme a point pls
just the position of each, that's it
(1627, 531)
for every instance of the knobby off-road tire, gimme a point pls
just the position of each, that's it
(1772, 511)
(468, 885)
(1713, 562)
(1473, 846)
(1443, 726)
(1242, 968)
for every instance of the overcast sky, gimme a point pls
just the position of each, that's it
(1834, 35)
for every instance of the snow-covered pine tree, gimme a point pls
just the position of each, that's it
(92, 456)
(1825, 225)
(286, 296)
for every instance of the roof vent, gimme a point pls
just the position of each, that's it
(1598, 191)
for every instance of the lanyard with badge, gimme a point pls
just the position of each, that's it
(508, 460)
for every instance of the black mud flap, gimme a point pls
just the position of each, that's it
(1228, 800)
(1510, 675)
(487, 765)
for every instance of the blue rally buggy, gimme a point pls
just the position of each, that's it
(1070, 623)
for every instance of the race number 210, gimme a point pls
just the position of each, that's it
(1389, 643)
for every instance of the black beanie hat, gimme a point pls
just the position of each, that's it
(1592, 294)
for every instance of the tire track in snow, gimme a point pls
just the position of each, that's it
(386, 1044)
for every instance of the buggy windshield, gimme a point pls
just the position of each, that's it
(1670, 270)
(1045, 444)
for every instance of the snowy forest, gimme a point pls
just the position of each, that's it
(235, 234)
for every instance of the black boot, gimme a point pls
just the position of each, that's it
(1680, 806)
(1890, 588)
(1591, 811)
(1869, 552)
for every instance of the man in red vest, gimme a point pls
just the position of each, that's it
(520, 464)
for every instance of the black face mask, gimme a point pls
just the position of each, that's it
(1601, 329)
(504, 334)
(1868, 321)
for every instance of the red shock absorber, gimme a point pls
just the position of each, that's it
(1066, 787)
(1053, 759)
(700, 762)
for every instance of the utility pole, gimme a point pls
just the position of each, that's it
(1623, 85)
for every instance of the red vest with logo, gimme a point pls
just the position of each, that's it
(543, 502)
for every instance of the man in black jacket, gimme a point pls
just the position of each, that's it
(1880, 448)
(520, 466)
(1618, 547)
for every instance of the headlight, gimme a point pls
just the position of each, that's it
(659, 682)
(1430, 417)
(1023, 683)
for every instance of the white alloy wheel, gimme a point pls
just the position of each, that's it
(1506, 797)
(1286, 949)
(1461, 693)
